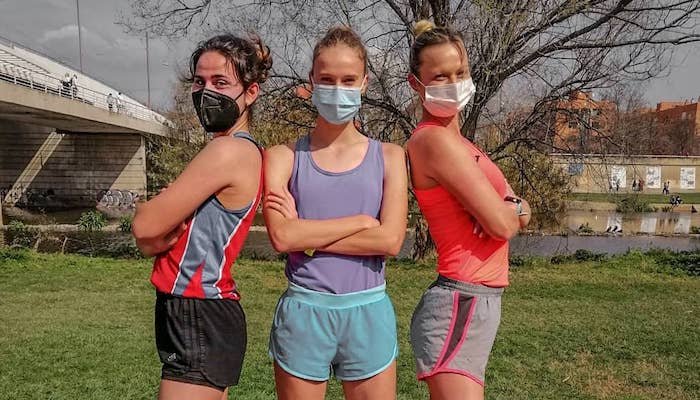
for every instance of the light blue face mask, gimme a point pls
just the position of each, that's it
(336, 104)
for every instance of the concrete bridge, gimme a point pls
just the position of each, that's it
(64, 140)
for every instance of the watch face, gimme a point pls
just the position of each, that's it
(513, 199)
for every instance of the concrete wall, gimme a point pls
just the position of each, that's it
(42, 167)
(595, 173)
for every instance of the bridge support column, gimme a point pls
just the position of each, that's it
(42, 167)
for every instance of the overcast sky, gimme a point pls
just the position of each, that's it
(119, 59)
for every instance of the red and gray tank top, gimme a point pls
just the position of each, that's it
(199, 265)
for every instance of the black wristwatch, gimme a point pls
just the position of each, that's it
(518, 204)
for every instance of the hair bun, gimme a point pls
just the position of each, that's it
(423, 26)
(263, 52)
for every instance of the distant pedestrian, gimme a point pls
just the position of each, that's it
(634, 185)
(120, 103)
(74, 85)
(65, 84)
(640, 185)
(666, 187)
(110, 101)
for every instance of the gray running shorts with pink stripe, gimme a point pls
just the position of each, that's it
(454, 327)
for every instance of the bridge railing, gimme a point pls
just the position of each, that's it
(18, 75)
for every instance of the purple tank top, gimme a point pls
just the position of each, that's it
(321, 194)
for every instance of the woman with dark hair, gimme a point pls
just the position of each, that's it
(197, 226)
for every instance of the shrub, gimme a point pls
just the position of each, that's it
(125, 224)
(20, 235)
(13, 254)
(91, 221)
(580, 255)
(585, 228)
(633, 203)
(686, 261)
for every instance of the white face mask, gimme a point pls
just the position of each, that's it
(445, 101)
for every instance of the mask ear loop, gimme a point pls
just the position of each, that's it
(421, 83)
(245, 106)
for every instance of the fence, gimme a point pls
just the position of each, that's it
(18, 75)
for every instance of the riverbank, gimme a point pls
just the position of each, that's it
(111, 242)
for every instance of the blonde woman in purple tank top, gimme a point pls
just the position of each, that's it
(336, 201)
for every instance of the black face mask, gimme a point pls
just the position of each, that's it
(217, 112)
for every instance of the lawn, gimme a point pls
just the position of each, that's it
(73, 327)
(688, 198)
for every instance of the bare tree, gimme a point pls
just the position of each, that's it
(552, 46)
(536, 51)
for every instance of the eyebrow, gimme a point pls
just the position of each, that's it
(342, 77)
(217, 76)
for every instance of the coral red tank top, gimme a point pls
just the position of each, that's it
(462, 255)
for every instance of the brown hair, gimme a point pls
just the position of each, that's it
(250, 57)
(427, 34)
(342, 35)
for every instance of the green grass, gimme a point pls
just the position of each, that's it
(73, 327)
(688, 198)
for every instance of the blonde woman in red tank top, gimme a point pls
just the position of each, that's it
(471, 213)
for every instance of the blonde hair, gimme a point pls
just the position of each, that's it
(427, 34)
(342, 35)
(422, 26)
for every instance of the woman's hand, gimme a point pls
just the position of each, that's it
(283, 203)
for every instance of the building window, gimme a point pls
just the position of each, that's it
(683, 115)
(575, 169)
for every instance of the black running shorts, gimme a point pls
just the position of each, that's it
(199, 341)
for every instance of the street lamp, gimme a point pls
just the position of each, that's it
(148, 73)
(80, 38)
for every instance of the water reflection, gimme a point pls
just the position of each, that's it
(658, 223)
(648, 224)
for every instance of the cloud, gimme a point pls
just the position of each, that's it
(67, 31)
(92, 41)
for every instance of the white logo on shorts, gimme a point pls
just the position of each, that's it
(172, 357)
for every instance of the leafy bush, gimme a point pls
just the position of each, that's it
(20, 235)
(121, 249)
(125, 224)
(695, 229)
(580, 255)
(526, 261)
(91, 221)
(686, 261)
(585, 228)
(13, 254)
(633, 203)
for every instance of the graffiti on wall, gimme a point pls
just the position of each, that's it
(116, 198)
(21, 196)
(24, 196)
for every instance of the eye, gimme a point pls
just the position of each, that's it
(221, 83)
(198, 82)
